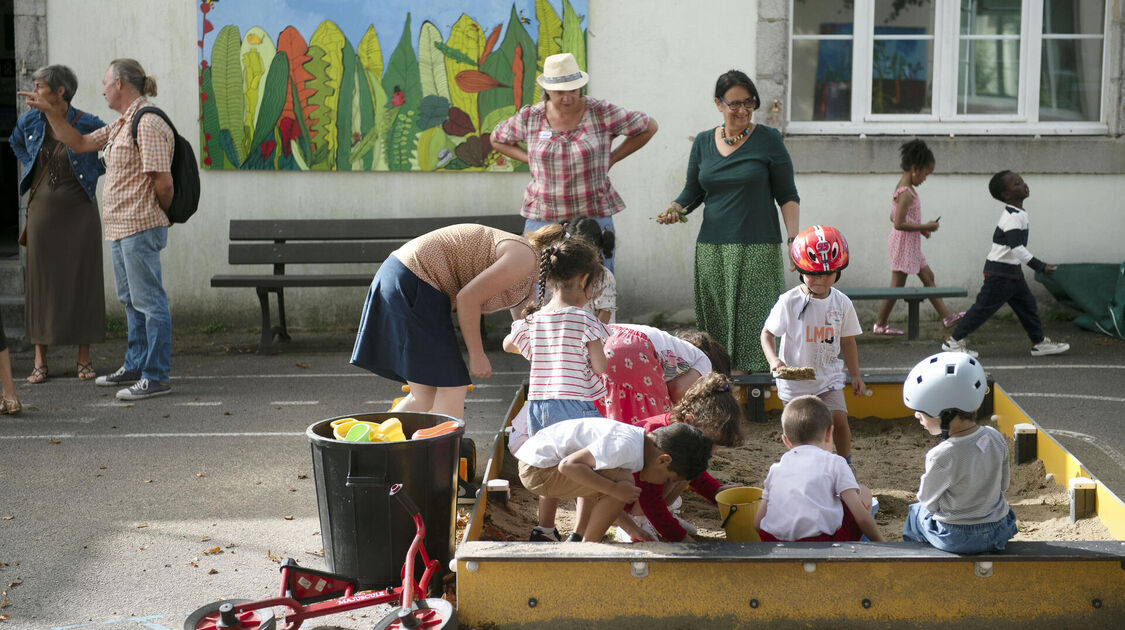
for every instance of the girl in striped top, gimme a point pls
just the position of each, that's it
(563, 342)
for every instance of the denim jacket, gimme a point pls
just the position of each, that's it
(28, 136)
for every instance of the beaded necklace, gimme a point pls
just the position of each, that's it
(733, 141)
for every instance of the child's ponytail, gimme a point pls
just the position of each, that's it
(713, 409)
(562, 259)
(544, 262)
(589, 229)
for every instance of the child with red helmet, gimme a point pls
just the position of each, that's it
(817, 325)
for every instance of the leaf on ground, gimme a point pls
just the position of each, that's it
(292, 489)
(288, 517)
(205, 539)
(302, 476)
(269, 554)
(192, 564)
(142, 548)
(200, 475)
(212, 572)
(147, 481)
(140, 525)
(213, 550)
(8, 518)
(15, 583)
(303, 366)
(54, 441)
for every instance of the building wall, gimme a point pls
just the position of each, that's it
(659, 56)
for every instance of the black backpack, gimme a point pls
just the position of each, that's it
(185, 170)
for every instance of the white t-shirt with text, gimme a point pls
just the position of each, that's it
(812, 338)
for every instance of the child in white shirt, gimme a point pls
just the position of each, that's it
(595, 458)
(817, 325)
(812, 494)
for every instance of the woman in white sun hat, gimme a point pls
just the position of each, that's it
(569, 139)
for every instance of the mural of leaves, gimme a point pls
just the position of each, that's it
(324, 104)
(226, 79)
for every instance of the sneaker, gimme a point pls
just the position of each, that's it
(119, 378)
(466, 492)
(574, 537)
(144, 388)
(1046, 347)
(952, 345)
(539, 534)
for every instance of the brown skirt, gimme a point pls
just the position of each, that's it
(65, 303)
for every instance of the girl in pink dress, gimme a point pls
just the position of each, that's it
(905, 241)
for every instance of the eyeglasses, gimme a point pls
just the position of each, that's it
(747, 104)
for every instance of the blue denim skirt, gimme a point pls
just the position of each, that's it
(406, 331)
(921, 526)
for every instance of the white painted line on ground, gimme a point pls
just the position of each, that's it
(467, 402)
(200, 404)
(117, 436)
(1110, 452)
(295, 403)
(1078, 396)
(989, 368)
(112, 404)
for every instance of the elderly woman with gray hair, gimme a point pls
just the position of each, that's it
(65, 301)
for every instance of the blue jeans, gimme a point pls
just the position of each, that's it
(921, 526)
(544, 413)
(606, 223)
(136, 271)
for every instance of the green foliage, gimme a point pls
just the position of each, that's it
(344, 108)
(499, 66)
(214, 326)
(433, 111)
(573, 37)
(455, 55)
(209, 124)
(402, 71)
(402, 139)
(273, 100)
(226, 80)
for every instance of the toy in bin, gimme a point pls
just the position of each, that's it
(352, 430)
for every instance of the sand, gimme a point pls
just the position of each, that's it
(888, 457)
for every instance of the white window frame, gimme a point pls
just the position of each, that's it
(944, 118)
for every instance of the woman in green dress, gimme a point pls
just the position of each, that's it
(741, 173)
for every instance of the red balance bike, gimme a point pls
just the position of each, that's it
(307, 593)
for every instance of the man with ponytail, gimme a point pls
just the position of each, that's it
(138, 189)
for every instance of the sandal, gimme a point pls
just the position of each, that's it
(86, 371)
(952, 319)
(38, 375)
(9, 407)
(885, 330)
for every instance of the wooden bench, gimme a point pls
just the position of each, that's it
(323, 242)
(912, 295)
(759, 386)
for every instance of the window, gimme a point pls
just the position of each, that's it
(947, 66)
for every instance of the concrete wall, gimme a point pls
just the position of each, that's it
(660, 56)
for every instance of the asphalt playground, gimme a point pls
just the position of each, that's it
(123, 516)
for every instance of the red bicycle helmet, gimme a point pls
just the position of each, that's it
(819, 250)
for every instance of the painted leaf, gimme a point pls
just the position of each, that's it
(363, 111)
(323, 143)
(465, 36)
(433, 112)
(573, 37)
(517, 76)
(402, 140)
(431, 142)
(369, 52)
(458, 123)
(293, 45)
(364, 146)
(550, 38)
(490, 42)
(209, 127)
(305, 144)
(273, 100)
(257, 51)
(344, 106)
(455, 55)
(499, 65)
(330, 41)
(226, 79)
(474, 81)
(431, 63)
(471, 151)
(402, 71)
(496, 116)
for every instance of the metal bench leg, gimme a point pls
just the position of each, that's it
(282, 331)
(266, 341)
(912, 319)
(756, 403)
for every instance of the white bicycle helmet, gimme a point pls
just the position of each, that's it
(946, 380)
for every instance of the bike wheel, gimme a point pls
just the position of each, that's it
(432, 613)
(208, 617)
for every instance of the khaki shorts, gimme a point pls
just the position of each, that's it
(834, 398)
(549, 482)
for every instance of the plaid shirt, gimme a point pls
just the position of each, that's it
(129, 203)
(569, 169)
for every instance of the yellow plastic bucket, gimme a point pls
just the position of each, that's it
(737, 507)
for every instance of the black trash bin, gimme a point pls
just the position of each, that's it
(365, 535)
